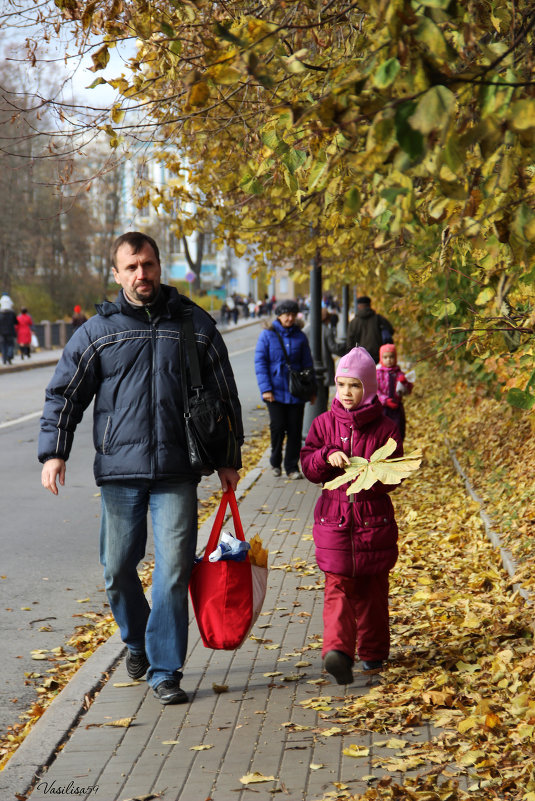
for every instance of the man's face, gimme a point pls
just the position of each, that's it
(138, 273)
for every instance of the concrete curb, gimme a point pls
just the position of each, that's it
(506, 556)
(30, 364)
(39, 748)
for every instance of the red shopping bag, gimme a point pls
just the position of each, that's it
(227, 596)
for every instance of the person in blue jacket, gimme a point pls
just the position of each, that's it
(126, 358)
(281, 341)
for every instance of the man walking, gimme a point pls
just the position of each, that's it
(126, 357)
(368, 329)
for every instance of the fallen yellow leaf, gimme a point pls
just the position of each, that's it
(251, 778)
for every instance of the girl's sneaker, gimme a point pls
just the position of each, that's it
(339, 665)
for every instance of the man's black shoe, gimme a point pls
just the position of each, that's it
(137, 664)
(170, 692)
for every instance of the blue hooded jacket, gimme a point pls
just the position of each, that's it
(127, 359)
(270, 362)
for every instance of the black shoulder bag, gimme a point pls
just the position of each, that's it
(210, 438)
(301, 383)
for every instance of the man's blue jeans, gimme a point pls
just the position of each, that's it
(163, 630)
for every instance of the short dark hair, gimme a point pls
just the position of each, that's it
(365, 300)
(136, 240)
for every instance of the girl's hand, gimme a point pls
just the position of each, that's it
(338, 459)
(269, 397)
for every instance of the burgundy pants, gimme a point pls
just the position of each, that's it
(355, 616)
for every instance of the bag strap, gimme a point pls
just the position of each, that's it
(282, 346)
(183, 375)
(228, 498)
(191, 349)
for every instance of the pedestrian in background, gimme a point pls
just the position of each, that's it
(8, 328)
(392, 385)
(78, 317)
(127, 359)
(329, 346)
(368, 329)
(355, 536)
(281, 342)
(24, 333)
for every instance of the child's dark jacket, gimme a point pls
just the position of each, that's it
(360, 537)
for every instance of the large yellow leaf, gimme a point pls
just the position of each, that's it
(364, 474)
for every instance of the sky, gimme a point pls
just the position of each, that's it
(57, 57)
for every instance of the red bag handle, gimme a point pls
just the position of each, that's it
(228, 498)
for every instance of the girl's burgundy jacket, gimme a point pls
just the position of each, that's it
(356, 537)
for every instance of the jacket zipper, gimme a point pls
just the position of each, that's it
(153, 395)
(352, 508)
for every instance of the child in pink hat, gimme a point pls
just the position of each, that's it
(392, 385)
(355, 536)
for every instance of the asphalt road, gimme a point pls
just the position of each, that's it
(49, 567)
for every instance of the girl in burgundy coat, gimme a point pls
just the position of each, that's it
(355, 536)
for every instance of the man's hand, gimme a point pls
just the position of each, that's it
(229, 478)
(52, 469)
(269, 397)
(338, 459)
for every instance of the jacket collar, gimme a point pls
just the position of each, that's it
(276, 326)
(168, 305)
(360, 417)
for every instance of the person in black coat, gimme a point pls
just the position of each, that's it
(368, 329)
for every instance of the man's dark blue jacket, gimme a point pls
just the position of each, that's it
(127, 358)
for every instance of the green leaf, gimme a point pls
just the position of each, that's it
(430, 35)
(433, 110)
(455, 154)
(317, 172)
(224, 33)
(251, 184)
(523, 115)
(520, 399)
(443, 4)
(270, 138)
(411, 141)
(387, 73)
(391, 193)
(523, 225)
(294, 159)
(531, 383)
(97, 82)
(352, 199)
(484, 296)
(443, 308)
(167, 29)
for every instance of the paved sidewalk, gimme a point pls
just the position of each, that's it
(202, 749)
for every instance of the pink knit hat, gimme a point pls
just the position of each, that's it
(359, 364)
(388, 348)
